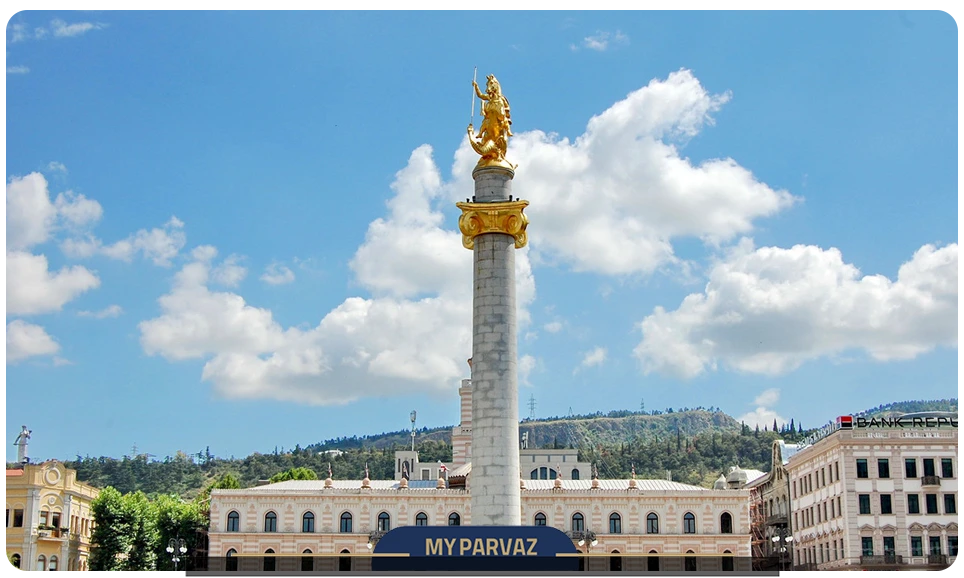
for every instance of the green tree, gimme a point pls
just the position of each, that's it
(178, 519)
(144, 538)
(111, 537)
(294, 474)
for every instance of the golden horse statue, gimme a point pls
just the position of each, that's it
(494, 133)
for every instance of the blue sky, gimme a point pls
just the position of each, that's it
(238, 230)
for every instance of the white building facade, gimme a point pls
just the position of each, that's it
(880, 495)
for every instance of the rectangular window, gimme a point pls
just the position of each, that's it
(55, 519)
(836, 470)
(864, 503)
(43, 518)
(862, 469)
(913, 504)
(931, 501)
(886, 507)
(952, 545)
(889, 548)
(832, 513)
(929, 467)
(426, 474)
(18, 518)
(867, 546)
(950, 505)
(916, 546)
(823, 476)
(883, 468)
(935, 542)
(947, 468)
(910, 468)
(825, 511)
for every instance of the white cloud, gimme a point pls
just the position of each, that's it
(27, 340)
(18, 69)
(592, 358)
(553, 326)
(603, 40)
(769, 310)
(18, 32)
(526, 364)
(32, 217)
(160, 244)
(109, 311)
(277, 274)
(58, 167)
(229, 273)
(764, 414)
(412, 335)
(32, 289)
(61, 29)
(612, 200)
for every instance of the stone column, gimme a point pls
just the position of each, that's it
(493, 226)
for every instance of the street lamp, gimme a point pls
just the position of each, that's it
(177, 547)
(782, 540)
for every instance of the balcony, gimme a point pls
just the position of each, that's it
(47, 533)
(936, 560)
(777, 520)
(885, 560)
(930, 481)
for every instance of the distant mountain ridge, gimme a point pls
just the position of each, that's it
(901, 407)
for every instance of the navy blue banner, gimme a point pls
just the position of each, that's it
(477, 548)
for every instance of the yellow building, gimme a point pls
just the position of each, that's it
(49, 521)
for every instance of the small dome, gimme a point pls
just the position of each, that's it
(328, 483)
(440, 485)
(632, 484)
(366, 483)
(557, 484)
(736, 475)
(403, 483)
(595, 483)
(720, 483)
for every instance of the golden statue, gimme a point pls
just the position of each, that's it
(496, 126)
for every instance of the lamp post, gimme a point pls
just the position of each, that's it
(177, 547)
(782, 541)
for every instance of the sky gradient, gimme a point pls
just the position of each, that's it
(238, 230)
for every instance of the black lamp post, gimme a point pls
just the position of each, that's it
(782, 541)
(177, 547)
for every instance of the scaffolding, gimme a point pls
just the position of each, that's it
(759, 546)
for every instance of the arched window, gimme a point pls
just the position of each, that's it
(575, 474)
(42, 563)
(15, 559)
(534, 474)
(346, 522)
(540, 519)
(384, 522)
(234, 522)
(53, 564)
(728, 560)
(455, 519)
(578, 522)
(615, 523)
(652, 523)
(421, 519)
(726, 523)
(615, 562)
(230, 562)
(271, 522)
(308, 522)
(269, 564)
(689, 523)
(652, 562)
(689, 562)
(307, 562)
(553, 474)
(344, 562)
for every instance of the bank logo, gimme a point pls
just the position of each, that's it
(845, 422)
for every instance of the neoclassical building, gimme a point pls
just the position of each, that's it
(49, 522)
(876, 494)
(643, 524)
(770, 511)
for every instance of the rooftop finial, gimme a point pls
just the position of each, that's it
(495, 130)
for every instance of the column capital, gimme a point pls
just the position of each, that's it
(505, 217)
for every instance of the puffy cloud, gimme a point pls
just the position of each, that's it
(61, 29)
(592, 358)
(764, 414)
(78, 210)
(32, 289)
(160, 244)
(769, 310)
(602, 40)
(229, 273)
(612, 200)
(276, 274)
(526, 364)
(412, 335)
(27, 340)
(30, 214)
(109, 311)
(57, 167)
(553, 326)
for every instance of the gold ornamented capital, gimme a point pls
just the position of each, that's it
(504, 217)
